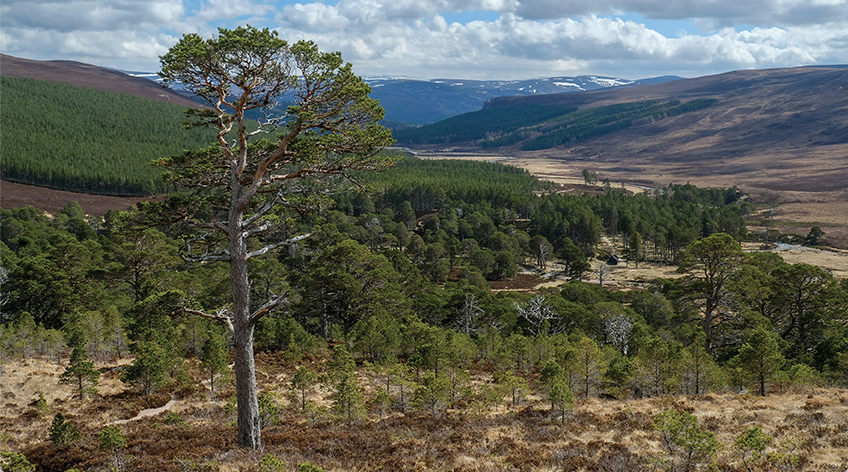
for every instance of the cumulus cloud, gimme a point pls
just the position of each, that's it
(212, 10)
(718, 12)
(498, 39)
(89, 15)
(433, 47)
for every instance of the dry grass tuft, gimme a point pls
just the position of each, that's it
(598, 435)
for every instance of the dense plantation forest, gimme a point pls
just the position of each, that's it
(395, 284)
(84, 140)
(544, 127)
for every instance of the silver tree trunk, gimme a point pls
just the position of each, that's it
(249, 432)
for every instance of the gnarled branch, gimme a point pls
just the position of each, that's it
(267, 307)
(271, 247)
(220, 316)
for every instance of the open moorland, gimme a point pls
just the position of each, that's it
(15, 195)
(192, 430)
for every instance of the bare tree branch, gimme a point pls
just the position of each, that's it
(222, 256)
(220, 316)
(271, 247)
(267, 307)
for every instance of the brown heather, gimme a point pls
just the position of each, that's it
(598, 435)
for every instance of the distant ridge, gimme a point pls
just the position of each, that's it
(782, 129)
(428, 101)
(90, 76)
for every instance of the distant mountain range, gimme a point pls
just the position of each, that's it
(782, 129)
(428, 101)
(419, 102)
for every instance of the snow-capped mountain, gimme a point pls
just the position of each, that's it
(427, 101)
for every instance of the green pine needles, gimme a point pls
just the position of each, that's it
(685, 444)
(62, 432)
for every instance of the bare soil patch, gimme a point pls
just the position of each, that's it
(15, 195)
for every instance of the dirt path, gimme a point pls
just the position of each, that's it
(148, 412)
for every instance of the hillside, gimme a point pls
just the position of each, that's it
(89, 76)
(780, 135)
(787, 125)
(87, 140)
(495, 435)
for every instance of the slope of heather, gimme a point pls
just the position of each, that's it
(89, 76)
(783, 129)
(597, 435)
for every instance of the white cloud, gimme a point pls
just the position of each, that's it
(433, 47)
(499, 39)
(313, 17)
(717, 12)
(89, 15)
(213, 10)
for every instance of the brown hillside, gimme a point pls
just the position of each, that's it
(89, 76)
(780, 129)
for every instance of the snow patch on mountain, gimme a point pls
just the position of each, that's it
(568, 85)
(606, 82)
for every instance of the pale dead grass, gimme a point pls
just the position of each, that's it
(503, 438)
(834, 261)
(24, 379)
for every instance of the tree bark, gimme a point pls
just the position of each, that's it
(249, 432)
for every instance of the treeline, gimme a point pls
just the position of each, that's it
(481, 124)
(540, 127)
(85, 140)
(410, 290)
(430, 183)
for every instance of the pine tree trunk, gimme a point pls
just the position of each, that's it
(249, 432)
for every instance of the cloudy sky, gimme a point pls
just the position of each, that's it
(470, 39)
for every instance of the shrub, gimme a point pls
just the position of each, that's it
(41, 405)
(269, 409)
(174, 419)
(112, 439)
(270, 463)
(801, 377)
(686, 444)
(14, 462)
(751, 444)
(307, 467)
(63, 433)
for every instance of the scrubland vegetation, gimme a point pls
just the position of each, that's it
(394, 352)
